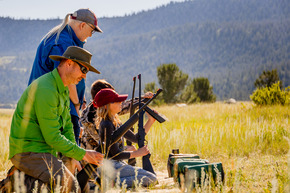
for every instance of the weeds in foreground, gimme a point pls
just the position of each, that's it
(243, 176)
(251, 142)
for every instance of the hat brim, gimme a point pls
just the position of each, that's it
(121, 98)
(98, 29)
(59, 58)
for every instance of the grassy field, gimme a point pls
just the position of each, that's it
(5, 121)
(251, 142)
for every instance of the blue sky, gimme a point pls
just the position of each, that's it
(48, 9)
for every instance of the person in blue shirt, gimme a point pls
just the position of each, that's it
(73, 31)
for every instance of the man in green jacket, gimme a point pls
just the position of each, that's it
(41, 125)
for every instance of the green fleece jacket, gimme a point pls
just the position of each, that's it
(41, 122)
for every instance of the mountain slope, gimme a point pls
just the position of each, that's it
(229, 41)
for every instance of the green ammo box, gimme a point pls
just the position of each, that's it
(193, 173)
(192, 169)
(174, 157)
(181, 163)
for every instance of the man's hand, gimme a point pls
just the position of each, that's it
(76, 164)
(81, 132)
(148, 95)
(93, 157)
(77, 106)
(84, 106)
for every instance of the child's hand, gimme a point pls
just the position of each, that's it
(150, 118)
(140, 152)
(143, 151)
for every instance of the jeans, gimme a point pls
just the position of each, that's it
(127, 173)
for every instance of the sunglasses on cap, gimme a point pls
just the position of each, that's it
(83, 68)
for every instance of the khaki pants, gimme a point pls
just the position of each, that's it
(46, 167)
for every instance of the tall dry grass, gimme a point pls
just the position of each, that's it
(222, 129)
(5, 121)
(251, 142)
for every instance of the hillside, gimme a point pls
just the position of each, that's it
(229, 41)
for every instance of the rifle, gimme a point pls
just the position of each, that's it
(133, 106)
(131, 121)
(132, 161)
(146, 164)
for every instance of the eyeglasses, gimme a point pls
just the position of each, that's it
(83, 69)
(93, 29)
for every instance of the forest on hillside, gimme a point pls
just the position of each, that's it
(230, 42)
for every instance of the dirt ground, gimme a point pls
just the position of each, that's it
(165, 184)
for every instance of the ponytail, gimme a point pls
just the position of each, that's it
(57, 29)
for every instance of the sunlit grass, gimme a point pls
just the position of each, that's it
(5, 121)
(251, 142)
(221, 129)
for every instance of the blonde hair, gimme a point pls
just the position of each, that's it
(58, 29)
(104, 113)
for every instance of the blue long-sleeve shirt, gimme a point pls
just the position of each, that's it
(43, 64)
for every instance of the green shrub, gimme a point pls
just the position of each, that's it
(271, 95)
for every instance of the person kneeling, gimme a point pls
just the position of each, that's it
(108, 104)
